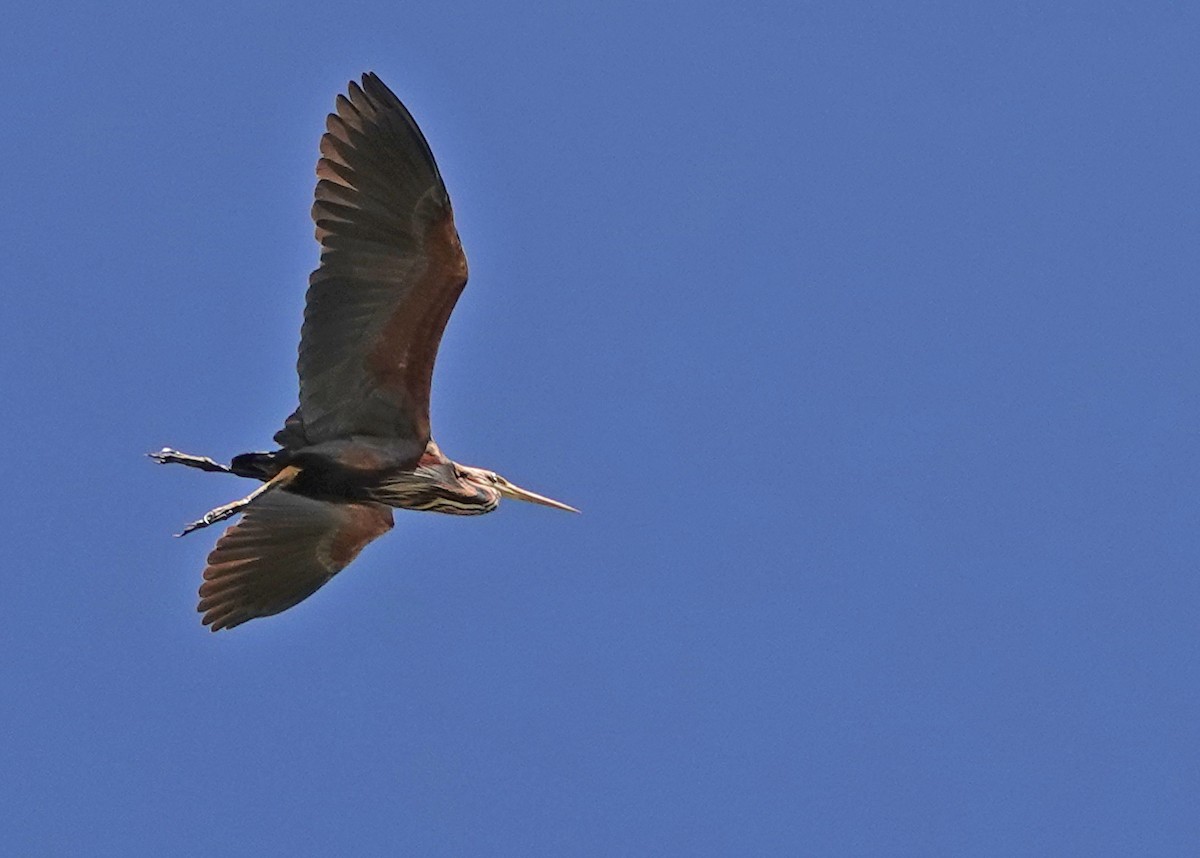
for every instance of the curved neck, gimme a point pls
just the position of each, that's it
(436, 487)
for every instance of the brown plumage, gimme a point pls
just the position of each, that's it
(391, 270)
(283, 549)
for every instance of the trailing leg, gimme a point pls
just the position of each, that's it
(167, 456)
(231, 509)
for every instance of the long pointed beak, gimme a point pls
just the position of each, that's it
(517, 493)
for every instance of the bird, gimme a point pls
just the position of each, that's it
(358, 444)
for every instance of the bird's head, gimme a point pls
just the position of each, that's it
(490, 480)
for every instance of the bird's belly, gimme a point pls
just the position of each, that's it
(348, 469)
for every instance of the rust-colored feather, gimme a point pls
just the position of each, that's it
(392, 268)
(285, 547)
(402, 356)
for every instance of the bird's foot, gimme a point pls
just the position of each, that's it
(214, 515)
(167, 456)
(283, 478)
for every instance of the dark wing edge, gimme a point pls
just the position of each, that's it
(281, 552)
(392, 268)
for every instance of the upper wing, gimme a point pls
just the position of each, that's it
(391, 271)
(284, 548)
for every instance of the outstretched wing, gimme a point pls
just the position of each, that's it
(284, 548)
(391, 271)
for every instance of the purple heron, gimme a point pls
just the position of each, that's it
(359, 443)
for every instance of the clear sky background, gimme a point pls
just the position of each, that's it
(864, 334)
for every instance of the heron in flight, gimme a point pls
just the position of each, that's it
(359, 442)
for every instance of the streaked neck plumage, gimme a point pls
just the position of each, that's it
(437, 484)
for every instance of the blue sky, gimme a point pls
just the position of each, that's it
(863, 334)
